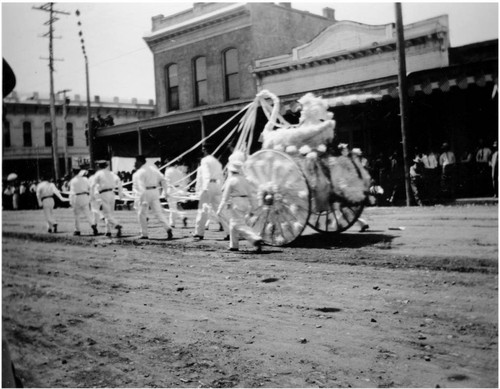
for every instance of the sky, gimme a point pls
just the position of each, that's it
(120, 62)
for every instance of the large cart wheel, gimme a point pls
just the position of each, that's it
(283, 197)
(339, 217)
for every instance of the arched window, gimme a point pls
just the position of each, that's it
(27, 134)
(69, 135)
(172, 81)
(48, 134)
(6, 134)
(200, 81)
(231, 76)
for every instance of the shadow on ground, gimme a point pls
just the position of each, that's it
(351, 241)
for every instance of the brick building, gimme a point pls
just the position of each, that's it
(211, 60)
(203, 61)
(27, 140)
(452, 94)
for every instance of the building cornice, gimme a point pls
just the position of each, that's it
(343, 56)
(209, 20)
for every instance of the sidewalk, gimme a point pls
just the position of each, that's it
(476, 201)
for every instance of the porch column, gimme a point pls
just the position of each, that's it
(202, 128)
(139, 141)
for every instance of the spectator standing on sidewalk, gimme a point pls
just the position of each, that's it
(416, 180)
(483, 169)
(447, 162)
(431, 175)
(494, 169)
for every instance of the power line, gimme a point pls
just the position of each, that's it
(49, 7)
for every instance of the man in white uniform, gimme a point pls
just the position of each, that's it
(209, 188)
(95, 200)
(177, 187)
(145, 183)
(79, 198)
(238, 199)
(45, 192)
(105, 182)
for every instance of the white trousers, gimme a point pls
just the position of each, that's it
(95, 209)
(237, 225)
(108, 209)
(209, 198)
(81, 207)
(150, 199)
(172, 199)
(48, 211)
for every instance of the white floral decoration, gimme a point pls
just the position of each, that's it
(302, 194)
(280, 240)
(321, 148)
(297, 227)
(279, 148)
(312, 155)
(291, 149)
(304, 150)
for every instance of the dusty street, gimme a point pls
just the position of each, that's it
(413, 302)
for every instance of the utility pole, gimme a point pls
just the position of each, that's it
(90, 129)
(65, 130)
(403, 95)
(49, 7)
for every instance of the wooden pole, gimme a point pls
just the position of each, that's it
(55, 156)
(90, 129)
(403, 96)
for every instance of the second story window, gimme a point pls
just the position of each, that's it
(172, 80)
(6, 134)
(69, 135)
(200, 80)
(231, 76)
(48, 134)
(27, 134)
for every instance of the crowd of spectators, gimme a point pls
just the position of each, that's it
(434, 177)
(437, 175)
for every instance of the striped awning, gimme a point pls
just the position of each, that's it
(426, 86)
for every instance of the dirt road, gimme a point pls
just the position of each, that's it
(409, 307)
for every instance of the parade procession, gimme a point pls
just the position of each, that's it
(309, 201)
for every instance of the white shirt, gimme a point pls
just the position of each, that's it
(430, 161)
(47, 189)
(147, 177)
(483, 155)
(79, 184)
(175, 177)
(210, 169)
(236, 186)
(447, 158)
(106, 179)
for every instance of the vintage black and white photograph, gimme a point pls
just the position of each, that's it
(250, 194)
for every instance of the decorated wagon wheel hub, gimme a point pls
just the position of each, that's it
(283, 197)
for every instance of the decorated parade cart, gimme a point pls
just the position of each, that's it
(298, 176)
(300, 180)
